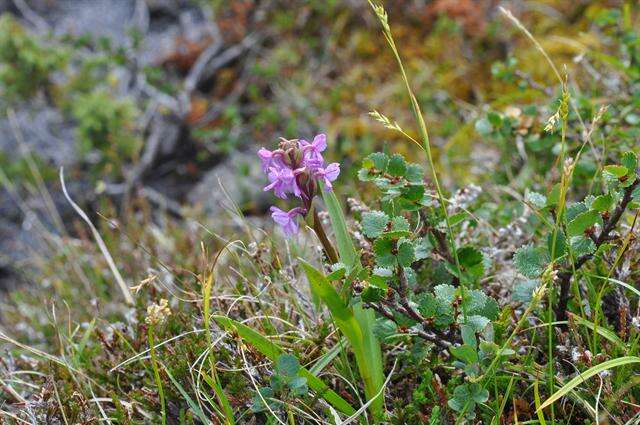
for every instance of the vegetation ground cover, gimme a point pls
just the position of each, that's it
(452, 236)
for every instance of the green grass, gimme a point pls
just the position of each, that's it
(75, 343)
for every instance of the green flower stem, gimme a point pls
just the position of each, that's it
(322, 235)
(156, 372)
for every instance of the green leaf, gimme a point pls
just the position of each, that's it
(479, 303)
(287, 365)
(414, 174)
(471, 326)
(468, 333)
(397, 166)
(574, 210)
(456, 219)
(362, 341)
(445, 293)
(192, 404)
(258, 401)
(377, 160)
(277, 382)
(411, 195)
(444, 297)
(458, 404)
(602, 203)
(465, 397)
(465, 353)
(471, 261)
(560, 247)
(582, 222)
(530, 261)
(374, 292)
(347, 251)
(272, 351)
(338, 271)
(341, 313)
(523, 291)
(536, 199)
(410, 275)
(427, 305)
(399, 223)
(616, 170)
(582, 245)
(483, 127)
(382, 249)
(477, 322)
(630, 162)
(479, 394)
(405, 253)
(469, 257)
(366, 175)
(582, 377)
(369, 358)
(374, 223)
(298, 386)
(421, 248)
(603, 332)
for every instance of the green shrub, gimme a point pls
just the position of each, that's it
(26, 63)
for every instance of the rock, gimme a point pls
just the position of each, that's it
(174, 36)
(100, 18)
(19, 242)
(239, 180)
(46, 134)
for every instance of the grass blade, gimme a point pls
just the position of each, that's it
(346, 250)
(566, 388)
(214, 382)
(603, 332)
(617, 282)
(192, 404)
(327, 358)
(272, 351)
(536, 398)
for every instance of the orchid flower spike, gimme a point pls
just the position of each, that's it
(283, 181)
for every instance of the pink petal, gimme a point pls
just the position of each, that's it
(320, 142)
(279, 216)
(332, 171)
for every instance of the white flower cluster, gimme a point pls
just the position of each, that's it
(157, 313)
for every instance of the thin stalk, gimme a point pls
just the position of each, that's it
(322, 235)
(565, 178)
(422, 127)
(156, 372)
(206, 309)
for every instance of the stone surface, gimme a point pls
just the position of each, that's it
(242, 179)
(44, 133)
(100, 18)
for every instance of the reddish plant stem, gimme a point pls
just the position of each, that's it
(609, 225)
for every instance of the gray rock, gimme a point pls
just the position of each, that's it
(19, 242)
(46, 135)
(239, 180)
(100, 18)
